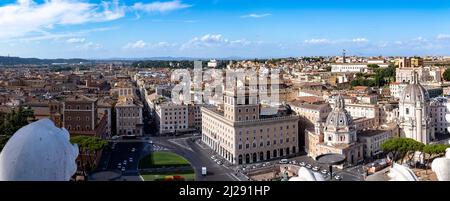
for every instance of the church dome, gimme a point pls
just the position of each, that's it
(339, 118)
(414, 93)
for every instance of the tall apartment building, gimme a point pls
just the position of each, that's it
(80, 117)
(241, 134)
(171, 117)
(129, 119)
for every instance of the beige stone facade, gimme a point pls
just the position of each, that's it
(241, 135)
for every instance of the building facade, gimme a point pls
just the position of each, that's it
(414, 113)
(129, 119)
(239, 133)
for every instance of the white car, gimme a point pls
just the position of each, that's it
(283, 161)
(125, 162)
(151, 142)
(338, 177)
(325, 172)
(315, 168)
(123, 169)
(302, 164)
(309, 166)
(130, 160)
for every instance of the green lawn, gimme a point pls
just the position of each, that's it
(163, 159)
(155, 177)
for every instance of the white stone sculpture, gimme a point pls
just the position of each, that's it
(306, 175)
(39, 151)
(441, 166)
(401, 173)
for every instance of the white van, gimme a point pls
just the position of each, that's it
(204, 172)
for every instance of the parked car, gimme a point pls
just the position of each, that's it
(309, 166)
(302, 164)
(283, 161)
(324, 172)
(123, 169)
(338, 177)
(130, 160)
(315, 168)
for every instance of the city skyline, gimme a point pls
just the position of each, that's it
(95, 29)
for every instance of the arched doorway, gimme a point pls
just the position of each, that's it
(254, 158)
(287, 151)
(274, 153)
(240, 159)
(247, 158)
(293, 150)
(281, 152)
(261, 156)
(268, 155)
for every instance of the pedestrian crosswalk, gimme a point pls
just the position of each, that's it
(158, 148)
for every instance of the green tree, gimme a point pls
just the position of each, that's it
(89, 148)
(432, 151)
(373, 66)
(401, 147)
(13, 121)
(447, 74)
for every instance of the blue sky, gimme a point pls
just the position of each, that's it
(222, 28)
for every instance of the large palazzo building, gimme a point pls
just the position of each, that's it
(241, 132)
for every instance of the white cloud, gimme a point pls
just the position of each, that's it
(90, 46)
(360, 40)
(318, 41)
(443, 36)
(136, 45)
(140, 44)
(161, 7)
(76, 40)
(214, 40)
(27, 16)
(254, 15)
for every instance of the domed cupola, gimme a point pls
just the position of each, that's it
(339, 119)
(414, 93)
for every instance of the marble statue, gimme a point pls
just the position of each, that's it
(401, 173)
(307, 175)
(441, 166)
(39, 151)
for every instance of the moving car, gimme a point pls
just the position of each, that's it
(283, 161)
(204, 172)
(338, 177)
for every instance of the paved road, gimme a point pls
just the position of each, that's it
(198, 156)
(122, 151)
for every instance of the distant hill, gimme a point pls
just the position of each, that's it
(8, 61)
